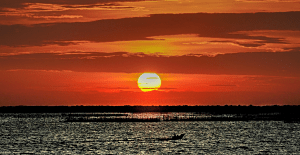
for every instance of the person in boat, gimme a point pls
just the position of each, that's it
(175, 137)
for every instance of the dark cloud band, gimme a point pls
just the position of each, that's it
(219, 25)
(23, 3)
(262, 63)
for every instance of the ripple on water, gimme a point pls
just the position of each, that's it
(49, 135)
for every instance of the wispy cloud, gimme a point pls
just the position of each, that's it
(221, 85)
(26, 3)
(260, 63)
(143, 28)
(53, 10)
(282, 1)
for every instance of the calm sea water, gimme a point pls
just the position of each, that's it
(48, 134)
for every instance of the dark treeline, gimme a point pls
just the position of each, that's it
(199, 109)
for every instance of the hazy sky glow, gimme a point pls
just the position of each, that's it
(206, 52)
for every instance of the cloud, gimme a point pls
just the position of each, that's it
(284, 1)
(259, 63)
(223, 85)
(24, 3)
(219, 25)
(253, 41)
(33, 11)
(68, 55)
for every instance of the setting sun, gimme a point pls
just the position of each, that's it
(119, 52)
(149, 81)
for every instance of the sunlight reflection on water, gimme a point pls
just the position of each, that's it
(50, 135)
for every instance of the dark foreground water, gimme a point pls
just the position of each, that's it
(48, 134)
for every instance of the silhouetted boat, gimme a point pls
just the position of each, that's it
(175, 137)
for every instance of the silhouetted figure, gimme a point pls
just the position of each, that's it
(175, 137)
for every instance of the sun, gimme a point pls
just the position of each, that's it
(149, 81)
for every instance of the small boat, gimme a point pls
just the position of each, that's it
(175, 137)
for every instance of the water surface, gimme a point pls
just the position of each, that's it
(49, 134)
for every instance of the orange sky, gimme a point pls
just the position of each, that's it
(92, 52)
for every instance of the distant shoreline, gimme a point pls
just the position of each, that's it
(287, 109)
